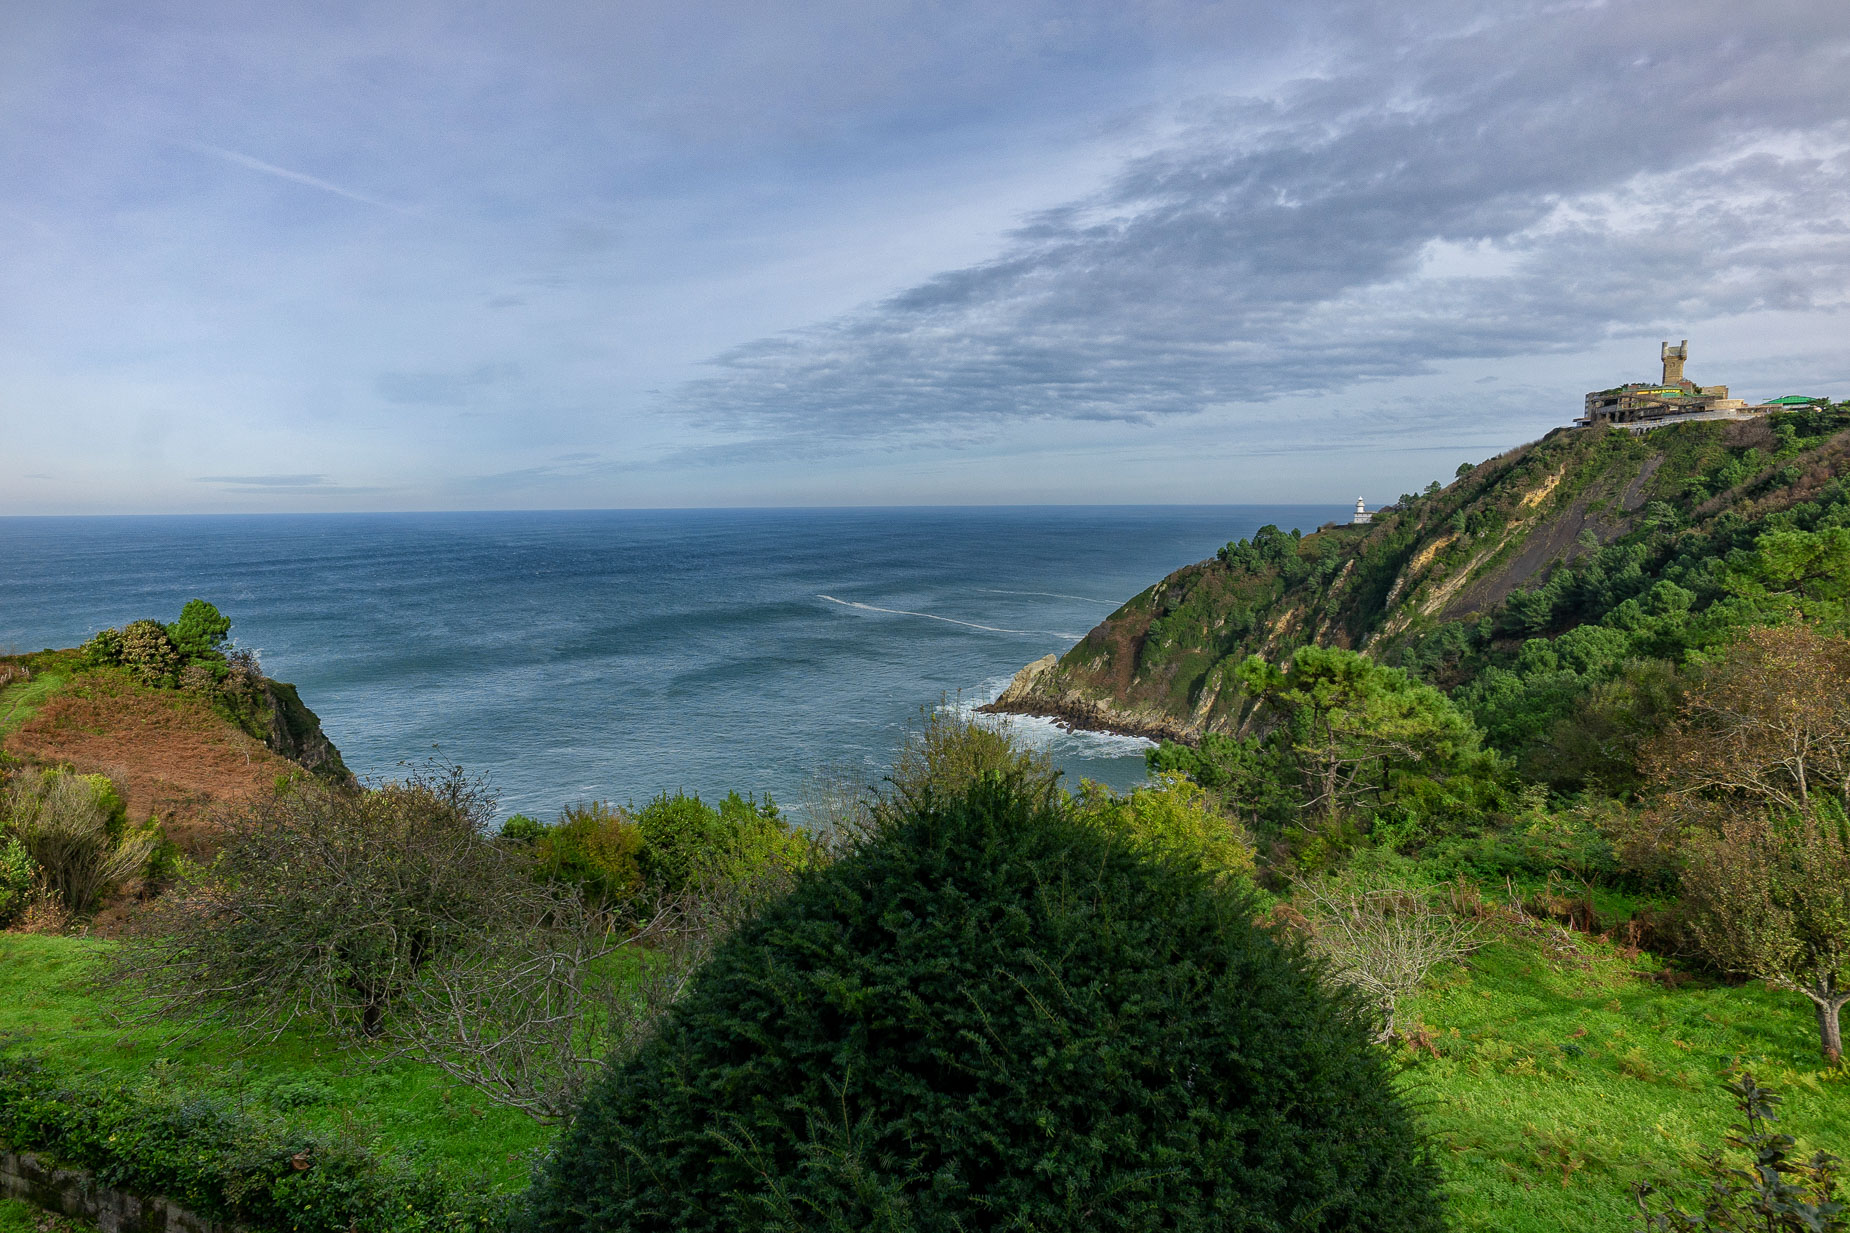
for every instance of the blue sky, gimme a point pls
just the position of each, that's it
(453, 255)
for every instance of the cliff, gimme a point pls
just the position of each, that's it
(180, 757)
(1470, 564)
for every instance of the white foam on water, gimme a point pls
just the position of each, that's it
(932, 616)
(1052, 594)
(1039, 732)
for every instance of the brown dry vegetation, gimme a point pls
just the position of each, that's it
(173, 757)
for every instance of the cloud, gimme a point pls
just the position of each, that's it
(442, 389)
(266, 481)
(318, 485)
(1530, 184)
(283, 173)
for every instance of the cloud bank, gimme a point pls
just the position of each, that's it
(1532, 183)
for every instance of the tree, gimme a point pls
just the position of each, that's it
(1768, 726)
(1807, 569)
(201, 630)
(1359, 733)
(1755, 776)
(996, 1015)
(1251, 778)
(1770, 898)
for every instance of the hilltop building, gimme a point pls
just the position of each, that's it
(1362, 516)
(1641, 406)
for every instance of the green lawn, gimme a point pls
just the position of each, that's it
(1563, 1079)
(46, 1008)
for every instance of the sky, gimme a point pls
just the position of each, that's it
(458, 255)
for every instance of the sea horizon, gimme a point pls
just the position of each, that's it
(571, 655)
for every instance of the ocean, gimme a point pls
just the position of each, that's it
(570, 656)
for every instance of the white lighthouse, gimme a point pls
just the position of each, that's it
(1362, 516)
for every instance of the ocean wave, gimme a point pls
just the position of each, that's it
(932, 616)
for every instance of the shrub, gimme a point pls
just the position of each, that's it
(1174, 816)
(948, 750)
(594, 848)
(103, 649)
(1382, 935)
(997, 1015)
(149, 653)
(18, 871)
(1773, 1192)
(687, 842)
(74, 828)
(519, 828)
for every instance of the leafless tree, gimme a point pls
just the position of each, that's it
(326, 903)
(1381, 938)
(534, 1012)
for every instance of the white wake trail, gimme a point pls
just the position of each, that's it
(1051, 594)
(932, 616)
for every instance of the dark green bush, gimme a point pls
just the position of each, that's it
(229, 1164)
(996, 1016)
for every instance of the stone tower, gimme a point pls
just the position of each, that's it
(1673, 358)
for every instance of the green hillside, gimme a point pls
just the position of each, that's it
(1556, 534)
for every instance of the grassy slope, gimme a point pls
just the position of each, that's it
(1535, 1136)
(1563, 1078)
(20, 701)
(46, 1008)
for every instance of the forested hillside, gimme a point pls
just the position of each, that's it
(1655, 542)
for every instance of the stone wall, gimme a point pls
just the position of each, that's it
(73, 1192)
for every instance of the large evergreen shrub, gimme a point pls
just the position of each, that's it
(996, 1016)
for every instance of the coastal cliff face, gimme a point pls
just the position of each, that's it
(1470, 557)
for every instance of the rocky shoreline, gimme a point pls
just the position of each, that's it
(1027, 695)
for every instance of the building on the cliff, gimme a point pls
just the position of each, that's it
(1640, 406)
(1362, 516)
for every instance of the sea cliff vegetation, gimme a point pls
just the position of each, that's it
(1501, 869)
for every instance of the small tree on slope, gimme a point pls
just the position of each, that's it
(1770, 898)
(996, 1016)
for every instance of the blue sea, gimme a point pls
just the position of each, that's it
(612, 655)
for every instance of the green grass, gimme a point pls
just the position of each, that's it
(48, 1008)
(18, 702)
(17, 1216)
(1563, 1079)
